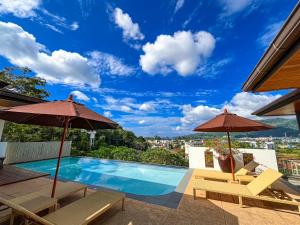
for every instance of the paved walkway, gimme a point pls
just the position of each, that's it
(218, 210)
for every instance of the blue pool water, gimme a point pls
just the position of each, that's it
(134, 178)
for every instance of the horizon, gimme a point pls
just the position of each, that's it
(155, 67)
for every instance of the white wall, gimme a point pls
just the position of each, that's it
(31, 151)
(265, 157)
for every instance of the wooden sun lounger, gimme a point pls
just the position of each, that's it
(80, 212)
(62, 190)
(36, 204)
(254, 190)
(218, 175)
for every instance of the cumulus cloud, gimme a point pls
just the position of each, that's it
(269, 33)
(245, 103)
(110, 64)
(183, 52)
(242, 104)
(233, 6)
(20, 8)
(59, 66)
(130, 29)
(80, 96)
(33, 9)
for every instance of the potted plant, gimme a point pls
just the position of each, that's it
(221, 147)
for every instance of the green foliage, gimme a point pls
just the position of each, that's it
(156, 156)
(102, 152)
(118, 153)
(164, 157)
(288, 153)
(124, 153)
(120, 137)
(20, 81)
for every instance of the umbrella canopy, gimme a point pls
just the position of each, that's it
(53, 114)
(232, 123)
(229, 122)
(58, 114)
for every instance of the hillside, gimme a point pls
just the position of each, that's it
(282, 127)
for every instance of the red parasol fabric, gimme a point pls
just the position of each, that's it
(58, 114)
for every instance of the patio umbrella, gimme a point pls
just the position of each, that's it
(229, 122)
(63, 114)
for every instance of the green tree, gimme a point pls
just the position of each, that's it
(164, 157)
(20, 81)
(124, 153)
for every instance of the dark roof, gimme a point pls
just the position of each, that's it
(286, 105)
(16, 97)
(284, 45)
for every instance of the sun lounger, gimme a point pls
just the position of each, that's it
(63, 190)
(36, 204)
(80, 212)
(255, 189)
(218, 175)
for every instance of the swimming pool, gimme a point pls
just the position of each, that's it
(133, 178)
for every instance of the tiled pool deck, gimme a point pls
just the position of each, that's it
(219, 209)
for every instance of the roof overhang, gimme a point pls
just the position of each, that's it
(286, 105)
(11, 99)
(279, 68)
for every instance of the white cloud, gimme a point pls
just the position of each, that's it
(183, 52)
(147, 106)
(142, 121)
(214, 68)
(179, 4)
(243, 104)
(20, 8)
(194, 115)
(33, 9)
(59, 21)
(59, 66)
(269, 33)
(107, 114)
(74, 26)
(110, 64)
(80, 96)
(132, 106)
(130, 29)
(233, 6)
(151, 125)
(95, 99)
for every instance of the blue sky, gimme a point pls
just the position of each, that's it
(155, 67)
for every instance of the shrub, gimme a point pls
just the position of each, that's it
(102, 152)
(164, 157)
(124, 153)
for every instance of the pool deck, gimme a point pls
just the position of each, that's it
(218, 209)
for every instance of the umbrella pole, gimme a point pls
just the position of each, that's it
(66, 124)
(231, 156)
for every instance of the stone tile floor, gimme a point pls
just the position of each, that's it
(218, 210)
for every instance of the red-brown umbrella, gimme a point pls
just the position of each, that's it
(58, 114)
(229, 122)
